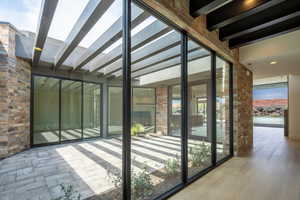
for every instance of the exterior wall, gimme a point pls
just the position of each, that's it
(14, 96)
(162, 110)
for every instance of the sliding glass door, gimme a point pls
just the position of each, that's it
(199, 99)
(45, 127)
(71, 108)
(65, 110)
(222, 108)
(91, 110)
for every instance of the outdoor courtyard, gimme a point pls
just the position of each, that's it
(37, 173)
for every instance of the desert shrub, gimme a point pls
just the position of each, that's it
(68, 193)
(141, 184)
(199, 154)
(137, 129)
(172, 166)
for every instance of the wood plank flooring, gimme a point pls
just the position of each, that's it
(271, 172)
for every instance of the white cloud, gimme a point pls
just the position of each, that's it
(24, 19)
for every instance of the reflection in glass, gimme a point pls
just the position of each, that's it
(156, 154)
(143, 109)
(222, 115)
(199, 136)
(91, 110)
(115, 110)
(70, 110)
(46, 110)
(175, 111)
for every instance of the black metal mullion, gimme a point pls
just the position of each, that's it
(101, 109)
(82, 109)
(184, 104)
(213, 109)
(31, 110)
(59, 111)
(126, 148)
(231, 117)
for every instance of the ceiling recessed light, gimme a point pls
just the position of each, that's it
(273, 62)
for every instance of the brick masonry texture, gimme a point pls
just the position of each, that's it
(14, 96)
(162, 110)
(243, 119)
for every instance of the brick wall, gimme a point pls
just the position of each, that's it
(243, 119)
(14, 96)
(162, 110)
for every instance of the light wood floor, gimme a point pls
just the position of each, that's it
(272, 172)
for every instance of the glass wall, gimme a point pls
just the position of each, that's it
(91, 110)
(167, 149)
(175, 110)
(65, 110)
(46, 110)
(199, 99)
(115, 110)
(143, 108)
(155, 155)
(71, 109)
(222, 108)
(269, 103)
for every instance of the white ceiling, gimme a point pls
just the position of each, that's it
(285, 50)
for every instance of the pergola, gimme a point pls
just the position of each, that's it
(156, 46)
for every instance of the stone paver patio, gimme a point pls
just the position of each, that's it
(37, 173)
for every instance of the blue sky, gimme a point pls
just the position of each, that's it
(23, 14)
(275, 92)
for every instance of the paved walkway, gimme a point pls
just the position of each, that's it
(37, 173)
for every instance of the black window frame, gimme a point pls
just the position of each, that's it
(60, 79)
(127, 102)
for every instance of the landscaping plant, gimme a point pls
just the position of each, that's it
(172, 166)
(68, 193)
(141, 184)
(137, 129)
(199, 155)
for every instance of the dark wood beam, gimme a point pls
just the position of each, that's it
(204, 7)
(237, 10)
(292, 24)
(45, 18)
(268, 17)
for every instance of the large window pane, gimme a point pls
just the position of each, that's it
(269, 103)
(155, 153)
(175, 111)
(46, 110)
(199, 100)
(143, 109)
(71, 110)
(91, 110)
(223, 112)
(115, 110)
